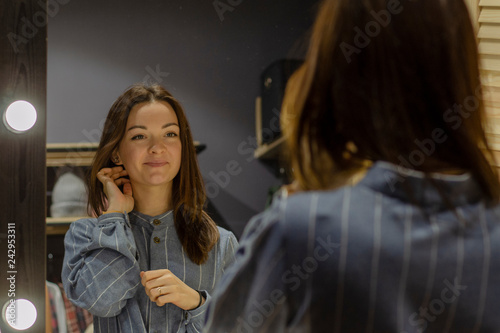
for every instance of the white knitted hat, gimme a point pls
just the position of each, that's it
(69, 197)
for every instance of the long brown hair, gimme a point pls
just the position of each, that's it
(385, 77)
(196, 230)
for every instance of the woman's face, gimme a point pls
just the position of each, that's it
(151, 149)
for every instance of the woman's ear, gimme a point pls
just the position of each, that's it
(115, 158)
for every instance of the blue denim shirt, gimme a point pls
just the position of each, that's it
(388, 254)
(103, 261)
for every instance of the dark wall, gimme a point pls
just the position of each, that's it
(211, 61)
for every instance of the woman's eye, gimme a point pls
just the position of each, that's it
(138, 137)
(171, 134)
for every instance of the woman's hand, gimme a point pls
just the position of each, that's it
(111, 178)
(163, 287)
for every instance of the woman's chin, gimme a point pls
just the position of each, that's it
(151, 181)
(158, 181)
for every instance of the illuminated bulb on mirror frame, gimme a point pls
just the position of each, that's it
(19, 314)
(20, 116)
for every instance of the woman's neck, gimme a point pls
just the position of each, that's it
(152, 201)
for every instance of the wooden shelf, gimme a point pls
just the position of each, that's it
(270, 151)
(72, 146)
(56, 230)
(75, 154)
(59, 225)
(54, 221)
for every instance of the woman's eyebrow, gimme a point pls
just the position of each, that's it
(144, 127)
(136, 126)
(170, 124)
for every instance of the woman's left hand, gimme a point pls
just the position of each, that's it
(163, 287)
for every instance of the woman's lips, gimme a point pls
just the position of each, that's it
(156, 164)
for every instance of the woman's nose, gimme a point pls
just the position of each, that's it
(157, 146)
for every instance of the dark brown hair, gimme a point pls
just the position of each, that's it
(196, 230)
(383, 76)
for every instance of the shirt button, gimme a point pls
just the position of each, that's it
(156, 239)
(156, 222)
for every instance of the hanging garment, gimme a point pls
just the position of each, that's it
(60, 312)
(76, 323)
(53, 324)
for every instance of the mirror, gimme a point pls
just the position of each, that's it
(208, 54)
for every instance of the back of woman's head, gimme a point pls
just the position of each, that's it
(394, 80)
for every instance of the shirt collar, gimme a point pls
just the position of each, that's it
(426, 190)
(165, 218)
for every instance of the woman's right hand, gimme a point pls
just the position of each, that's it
(111, 178)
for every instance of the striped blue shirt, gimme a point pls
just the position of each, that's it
(385, 255)
(102, 264)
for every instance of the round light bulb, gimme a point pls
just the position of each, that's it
(20, 116)
(19, 314)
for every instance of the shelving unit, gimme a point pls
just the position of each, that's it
(265, 151)
(76, 156)
(72, 155)
(271, 154)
